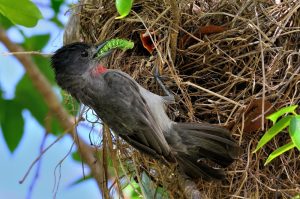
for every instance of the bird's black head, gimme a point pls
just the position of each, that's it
(74, 59)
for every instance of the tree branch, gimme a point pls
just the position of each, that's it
(66, 120)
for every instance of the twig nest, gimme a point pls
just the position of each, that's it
(224, 47)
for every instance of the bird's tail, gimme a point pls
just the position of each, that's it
(196, 146)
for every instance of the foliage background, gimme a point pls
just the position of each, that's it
(23, 111)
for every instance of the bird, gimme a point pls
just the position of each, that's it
(139, 116)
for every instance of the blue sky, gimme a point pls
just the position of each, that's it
(13, 166)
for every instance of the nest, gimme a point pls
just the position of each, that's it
(228, 63)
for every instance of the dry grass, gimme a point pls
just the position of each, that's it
(214, 77)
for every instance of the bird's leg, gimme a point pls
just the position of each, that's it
(169, 98)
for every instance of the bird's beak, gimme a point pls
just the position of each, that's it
(98, 48)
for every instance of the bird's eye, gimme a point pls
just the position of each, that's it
(84, 53)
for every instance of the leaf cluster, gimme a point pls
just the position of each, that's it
(26, 97)
(289, 119)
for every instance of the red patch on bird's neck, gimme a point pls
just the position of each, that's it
(99, 70)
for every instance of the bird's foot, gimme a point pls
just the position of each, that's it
(169, 97)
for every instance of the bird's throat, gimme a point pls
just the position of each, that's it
(98, 70)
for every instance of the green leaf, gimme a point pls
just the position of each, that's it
(36, 42)
(27, 95)
(57, 22)
(12, 124)
(55, 127)
(279, 151)
(294, 130)
(273, 131)
(150, 189)
(123, 7)
(71, 105)
(22, 12)
(132, 192)
(55, 4)
(80, 180)
(43, 64)
(274, 116)
(2, 110)
(296, 197)
(5, 23)
(76, 156)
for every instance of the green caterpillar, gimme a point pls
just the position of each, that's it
(115, 43)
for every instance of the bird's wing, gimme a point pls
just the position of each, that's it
(131, 117)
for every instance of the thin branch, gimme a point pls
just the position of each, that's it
(38, 168)
(27, 53)
(58, 166)
(105, 191)
(38, 158)
(66, 120)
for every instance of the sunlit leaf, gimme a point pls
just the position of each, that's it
(294, 130)
(296, 197)
(133, 189)
(279, 151)
(273, 131)
(274, 116)
(22, 12)
(123, 7)
(12, 123)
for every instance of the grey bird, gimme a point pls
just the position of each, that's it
(138, 115)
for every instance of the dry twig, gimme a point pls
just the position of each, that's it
(255, 57)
